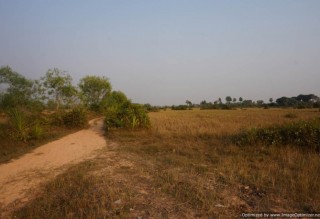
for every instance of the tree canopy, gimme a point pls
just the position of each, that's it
(58, 87)
(18, 89)
(94, 90)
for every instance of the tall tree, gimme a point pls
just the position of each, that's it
(58, 87)
(94, 89)
(116, 98)
(287, 101)
(259, 102)
(228, 99)
(189, 103)
(203, 102)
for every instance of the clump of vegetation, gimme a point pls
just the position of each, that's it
(180, 107)
(151, 108)
(226, 107)
(121, 113)
(95, 90)
(24, 126)
(75, 118)
(305, 134)
(56, 87)
(126, 116)
(19, 124)
(204, 105)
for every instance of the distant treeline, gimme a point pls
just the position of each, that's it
(301, 101)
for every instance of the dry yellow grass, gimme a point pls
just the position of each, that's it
(186, 167)
(222, 122)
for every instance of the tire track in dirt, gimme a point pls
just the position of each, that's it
(20, 178)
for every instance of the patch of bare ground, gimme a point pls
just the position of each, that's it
(21, 178)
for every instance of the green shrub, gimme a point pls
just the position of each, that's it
(127, 115)
(136, 117)
(113, 118)
(305, 134)
(75, 118)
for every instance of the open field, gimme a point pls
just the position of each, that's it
(187, 166)
(217, 123)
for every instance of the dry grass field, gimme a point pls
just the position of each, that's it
(187, 166)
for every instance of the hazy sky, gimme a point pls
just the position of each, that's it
(167, 51)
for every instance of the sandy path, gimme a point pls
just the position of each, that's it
(20, 178)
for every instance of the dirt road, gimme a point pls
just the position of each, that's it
(20, 178)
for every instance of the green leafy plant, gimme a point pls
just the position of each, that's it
(135, 122)
(113, 118)
(127, 115)
(19, 124)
